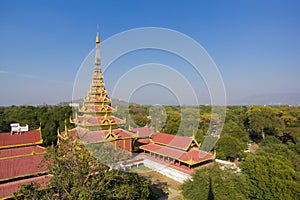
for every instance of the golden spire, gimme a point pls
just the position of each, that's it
(40, 128)
(97, 56)
(97, 36)
(66, 129)
(58, 137)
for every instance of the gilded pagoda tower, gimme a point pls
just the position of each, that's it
(96, 111)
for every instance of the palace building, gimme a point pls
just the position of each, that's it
(20, 156)
(95, 123)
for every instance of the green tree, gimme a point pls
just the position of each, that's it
(138, 114)
(214, 183)
(204, 122)
(271, 177)
(230, 146)
(232, 129)
(107, 153)
(173, 120)
(236, 114)
(275, 147)
(265, 120)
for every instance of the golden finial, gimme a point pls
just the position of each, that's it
(40, 128)
(97, 36)
(58, 137)
(66, 129)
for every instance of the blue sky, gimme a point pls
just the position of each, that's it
(255, 44)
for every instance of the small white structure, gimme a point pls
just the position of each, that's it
(75, 105)
(15, 127)
(227, 164)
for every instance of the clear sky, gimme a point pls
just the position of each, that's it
(255, 44)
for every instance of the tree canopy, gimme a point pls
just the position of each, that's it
(271, 177)
(213, 183)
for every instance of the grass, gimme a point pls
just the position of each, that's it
(140, 168)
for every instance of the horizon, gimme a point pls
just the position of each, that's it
(254, 44)
(62, 103)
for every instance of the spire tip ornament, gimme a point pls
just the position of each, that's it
(97, 36)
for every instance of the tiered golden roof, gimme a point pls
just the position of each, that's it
(96, 111)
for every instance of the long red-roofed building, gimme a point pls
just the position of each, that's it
(7, 189)
(176, 149)
(20, 159)
(8, 140)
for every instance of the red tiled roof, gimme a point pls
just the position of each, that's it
(72, 133)
(91, 136)
(95, 136)
(21, 151)
(163, 150)
(97, 120)
(144, 141)
(194, 155)
(7, 189)
(197, 156)
(122, 133)
(143, 131)
(25, 138)
(20, 166)
(175, 141)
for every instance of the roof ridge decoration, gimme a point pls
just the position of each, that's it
(33, 153)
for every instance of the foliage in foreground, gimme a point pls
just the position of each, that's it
(214, 183)
(271, 177)
(78, 175)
